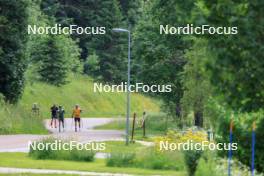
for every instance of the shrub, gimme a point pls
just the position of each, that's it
(48, 153)
(156, 122)
(2, 99)
(153, 159)
(148, 158)
(242, 132)
(121, 159)
(91, 66)
(43, 154)
(191, 157)
(207, 165)
(81, 155)
(211, 165)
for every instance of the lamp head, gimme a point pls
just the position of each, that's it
(120, 30)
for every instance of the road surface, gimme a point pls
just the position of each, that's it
(19, 143)
(8, 170)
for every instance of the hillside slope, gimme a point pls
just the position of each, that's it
(80, 91)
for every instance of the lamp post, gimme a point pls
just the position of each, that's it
(128, 83)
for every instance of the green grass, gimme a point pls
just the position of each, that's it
(73, 154)
(148, 158)
(116, 146)
(156, 125)
(30, 174)
(119, 124)
(21, 160)
(14, 119)
(80, 91)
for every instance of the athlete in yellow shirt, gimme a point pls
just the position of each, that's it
(76, 114)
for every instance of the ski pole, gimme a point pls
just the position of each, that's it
(72, 123)
(253, 148)
(230, 150)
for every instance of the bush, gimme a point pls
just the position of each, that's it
(91, 66)
(2, 99)
(153, 159)
(48, 153)
(191, 158)
(207, 165)
(242, 131)
(211, 165)
(148, 158)
(156, 122)
(81, 155)
(121, 159)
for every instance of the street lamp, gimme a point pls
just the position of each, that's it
(128, 83)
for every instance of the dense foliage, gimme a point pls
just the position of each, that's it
(56, 59)
(72, 155)
(161, 57)
(13, 37)
(148, 158)
(206, 71)
(108, 47)
(196, 84)
(242, 135)
(238, 68)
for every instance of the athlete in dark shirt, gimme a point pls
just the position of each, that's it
(54, 115)
(61, 113)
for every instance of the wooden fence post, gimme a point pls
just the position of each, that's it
(144, 124)
(133, 127)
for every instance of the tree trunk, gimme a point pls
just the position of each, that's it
(178, 113)
(198, 118)
(178, 110)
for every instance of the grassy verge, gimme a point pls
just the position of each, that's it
(119, 124)
(23, 161)
(30, 174)
(80, 90)
(156, 124)
(14, 119)
(116, 146)
(149, 158)
(73, 155)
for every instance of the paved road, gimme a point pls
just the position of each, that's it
(19, 143)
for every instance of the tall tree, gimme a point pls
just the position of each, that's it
(132, 11)
(56, 58)
(237, 69)
(52, 57)
(196, 83)
(162, 56)
(95, 14)
(110, 47)
(13, 38)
